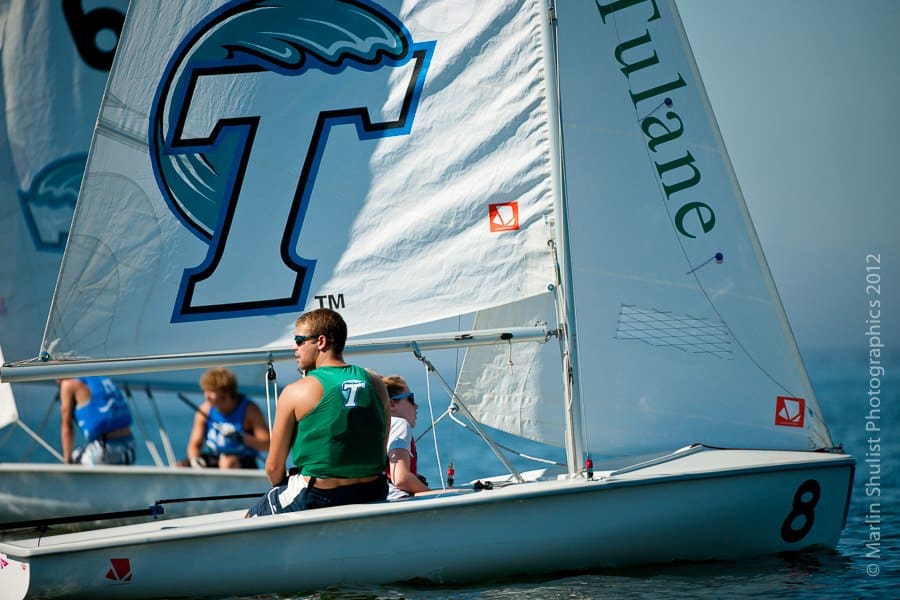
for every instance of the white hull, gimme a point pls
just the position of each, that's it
(30, 491)
(714, 504)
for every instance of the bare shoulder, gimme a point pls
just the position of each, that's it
(301, 387)
(301, 396)
(70, 385)
(378, 382)
(201, 415)
(70, 390)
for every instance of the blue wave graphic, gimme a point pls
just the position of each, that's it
(262, 35)
(49, 204)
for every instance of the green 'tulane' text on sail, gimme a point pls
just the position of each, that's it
(657, 131)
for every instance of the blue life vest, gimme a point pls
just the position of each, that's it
(106, 411)
(216, 441)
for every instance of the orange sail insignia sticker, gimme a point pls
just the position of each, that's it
(504, 216)
(789, 411)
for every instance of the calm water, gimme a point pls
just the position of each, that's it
(852, 571)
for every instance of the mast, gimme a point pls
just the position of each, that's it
(565, 297)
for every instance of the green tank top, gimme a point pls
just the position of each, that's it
(343, 436)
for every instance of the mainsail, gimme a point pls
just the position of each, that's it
(682, 336)
(333, 160)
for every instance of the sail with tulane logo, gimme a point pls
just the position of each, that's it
(245, 195)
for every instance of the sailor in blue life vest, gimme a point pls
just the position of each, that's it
(102, 415)
(229, 429)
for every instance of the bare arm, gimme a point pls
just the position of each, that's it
(295, 402)
(382, 392)
(401, 475)
(255, 432)
(67, 414)
(198, 432)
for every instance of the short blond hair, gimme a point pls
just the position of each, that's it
(219, 379)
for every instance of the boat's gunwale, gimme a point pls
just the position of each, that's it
(131, 470)
(195, 527)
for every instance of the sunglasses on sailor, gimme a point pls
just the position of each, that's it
(299, 339)
(408, 396)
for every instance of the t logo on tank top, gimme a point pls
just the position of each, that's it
(349, 389)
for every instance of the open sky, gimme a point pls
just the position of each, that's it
(807, 96)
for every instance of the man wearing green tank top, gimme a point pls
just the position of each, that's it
(333, 423)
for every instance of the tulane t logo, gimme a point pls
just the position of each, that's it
(239, 127)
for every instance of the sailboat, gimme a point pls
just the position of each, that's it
(408, 164)
(56, 58)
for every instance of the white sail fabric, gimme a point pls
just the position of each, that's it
(516, 388)
(55, 61)
(676, 345)
(252, 161)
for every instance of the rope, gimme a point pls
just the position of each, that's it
(151, 446)
(40, 431)
(271, 376)
(460, 406)
(163, 435)
(507, 448)
(437, 452)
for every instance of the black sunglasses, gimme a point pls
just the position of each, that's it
(408, 395)
(299, 339)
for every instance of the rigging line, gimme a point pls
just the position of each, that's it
(163, 434)
(6, 437)
(507, 448)
(151, 445)
(437, 451)
(737, 341)
(40, 431)
(487, 440)
(196, 408)
(456, 373)
(40, 441)
(271, 376)
(435, 422)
